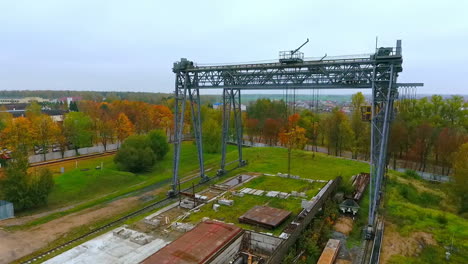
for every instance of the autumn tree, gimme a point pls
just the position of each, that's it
(293, 137)
(358, 126)
(60, 138)
(78, 129)
(424, 140)
(337, 131)
(397, 141)
(446, 145)
(5, 117)
(252, 128)
(18, 133)
(461, 177)
(33, 110)
(44, 128)
(124, 127)
(310, 122)
(271, 129)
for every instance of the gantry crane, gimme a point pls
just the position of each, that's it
(377, 71)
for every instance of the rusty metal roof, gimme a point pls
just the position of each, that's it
(330, 252)
(196, 246)
(265, 216)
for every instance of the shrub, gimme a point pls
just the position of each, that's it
(135, 155)
(411, 174)
(158, 143)
(442, 219)
(23, 189)
(211, 136)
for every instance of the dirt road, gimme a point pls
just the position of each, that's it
(16, 244)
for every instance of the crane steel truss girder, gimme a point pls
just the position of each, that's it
(378, 72)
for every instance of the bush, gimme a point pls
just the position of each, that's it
(135, 154)
(23, 189)
(442, 219)
(158, 143)
(41, 186)
(211, 136)
(411, 174)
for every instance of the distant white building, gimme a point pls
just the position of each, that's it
(25, 100)
(220, 105)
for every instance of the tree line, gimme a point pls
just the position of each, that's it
(95, 123)
(424, 131)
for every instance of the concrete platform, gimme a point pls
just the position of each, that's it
(110, 249)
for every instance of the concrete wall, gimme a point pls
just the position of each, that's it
(264, 243)
(304, 218)
(71, 153)
(228, 253)
(6, 210)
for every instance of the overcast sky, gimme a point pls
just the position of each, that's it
(130, 45)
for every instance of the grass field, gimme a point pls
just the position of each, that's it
(273, 183)
(322, 166)
(85, 182)
(416, 205)
(243, 204)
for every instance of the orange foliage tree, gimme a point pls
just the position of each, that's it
(293, 137)
(17, 133)
(124, 127)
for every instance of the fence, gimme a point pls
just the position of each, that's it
(429, 176)
(6, 210)
(71, 153)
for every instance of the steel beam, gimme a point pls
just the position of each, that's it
(225, 132)
(180, 95)
(194, 96)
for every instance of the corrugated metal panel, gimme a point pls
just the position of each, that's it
(196, 246)
(265, 216)
(6, 210)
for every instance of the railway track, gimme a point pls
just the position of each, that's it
(372, 248)
(90, 156)
(143, 210)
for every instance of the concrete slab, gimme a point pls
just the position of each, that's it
(252, 191)
(259, 193)
(246, 190)
(272, 194)
(110, 249)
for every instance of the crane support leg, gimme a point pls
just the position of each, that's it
(180, 94)
(225, 134)
(236, 105)
(194, 96)
(384, 92)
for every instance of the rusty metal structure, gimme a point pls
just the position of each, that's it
(199, 245)
(264, 216)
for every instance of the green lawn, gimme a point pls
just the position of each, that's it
(245, 203)
(230, 214)
(415, 209)
(90, 187)
(85, 182)
(273, 183)
(322, 166)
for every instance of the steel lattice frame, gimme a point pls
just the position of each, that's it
(378, 72)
